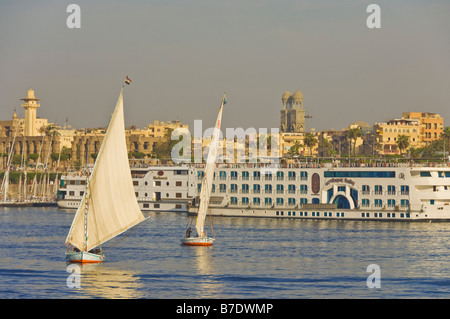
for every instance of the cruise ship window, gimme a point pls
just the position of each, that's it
(378, 189)
(404, 189)
(391, 190)
(365, 189)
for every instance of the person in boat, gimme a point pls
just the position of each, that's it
(188, 232)
(96, 251)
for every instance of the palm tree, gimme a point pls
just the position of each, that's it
(52, 131)
(324, 144)
(446, 135)
(309, 140)
(332, 152)
(294, 150)
(402, 142)
(353, 134)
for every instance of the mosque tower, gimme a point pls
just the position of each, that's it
(292, 118)
(31, 104)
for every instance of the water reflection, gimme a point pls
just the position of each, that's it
(104, 281)
(207, 286)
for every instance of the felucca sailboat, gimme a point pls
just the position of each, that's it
(109, 206)
(201, 239)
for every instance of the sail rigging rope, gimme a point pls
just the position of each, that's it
(123, 237)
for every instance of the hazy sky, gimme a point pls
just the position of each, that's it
(183, 55)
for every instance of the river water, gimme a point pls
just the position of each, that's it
(253, 258)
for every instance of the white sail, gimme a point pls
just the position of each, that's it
(109, 198)
(205, 192)
(5, 184)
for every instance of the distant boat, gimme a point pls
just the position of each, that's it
(201, 239)
(5, 181)
(109, 206)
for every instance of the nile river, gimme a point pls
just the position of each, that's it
(251, 258)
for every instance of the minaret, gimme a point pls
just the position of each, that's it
(30, 107)
(292, 117)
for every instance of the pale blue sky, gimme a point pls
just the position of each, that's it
(182, 56)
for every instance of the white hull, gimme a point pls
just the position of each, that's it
(197, 241)
(166, 206)
(330, 214)
(84, 257)
(67, 203)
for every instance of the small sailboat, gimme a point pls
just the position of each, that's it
(109, 206)
(201, 239)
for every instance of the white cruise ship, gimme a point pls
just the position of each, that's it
(332, 191)
(328, 191)
(157, 188)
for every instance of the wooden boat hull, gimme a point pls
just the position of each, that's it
(197, 241)
(83, 257)
(16, 204)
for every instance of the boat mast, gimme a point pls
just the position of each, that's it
(5, 184)
(86, 212)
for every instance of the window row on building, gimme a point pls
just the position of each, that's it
(389, 190)
(310, 214)
(257, 176)
(259, 189)
(404, 203)
(267, 201)
(388, 215)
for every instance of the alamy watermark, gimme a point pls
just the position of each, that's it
(374, 279)
(74, 279)
(74, 19)
(238, 146)
(374, 19)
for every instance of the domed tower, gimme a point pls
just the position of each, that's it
(285, 98)
(297, 99)
(292, 117)
(31, 104)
